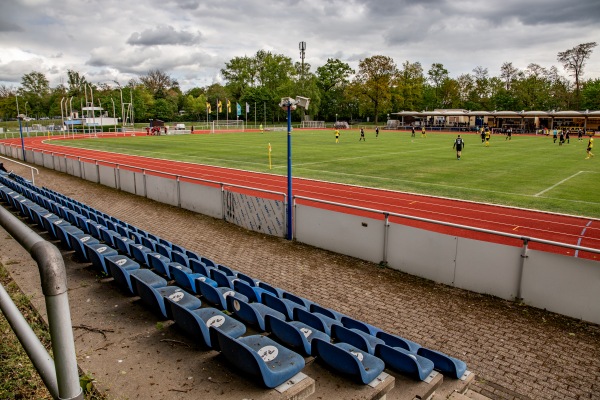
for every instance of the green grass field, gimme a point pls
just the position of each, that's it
(528, 171)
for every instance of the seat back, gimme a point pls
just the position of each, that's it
(347, 336)
(285, 332)
(237, 353)
(245, 289)
(309, 319)
(199, 267)
(336, 357)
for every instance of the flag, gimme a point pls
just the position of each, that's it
(247, 108)
(219, 106)
(208, 108)
(238, 109)
(228, 106)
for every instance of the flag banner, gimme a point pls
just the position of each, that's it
(228, 106)
(238, 109)
(208, 107)
(219, 106)
(247, 108)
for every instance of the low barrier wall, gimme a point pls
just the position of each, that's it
(564, 284)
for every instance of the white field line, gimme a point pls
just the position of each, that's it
(559, 183)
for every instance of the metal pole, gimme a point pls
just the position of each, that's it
(524, 255)
(35, 350)
(54, 287)
(114, 115)
(22, 140)
(289, 171)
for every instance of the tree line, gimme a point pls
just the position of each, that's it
(337, 92)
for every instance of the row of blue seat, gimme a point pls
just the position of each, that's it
(359, 349)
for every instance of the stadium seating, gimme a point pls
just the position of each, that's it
(217, 295)
(355, 337)
(284, 306)
(317, 321)
(294, 334)
(196, 322)
(260, 357)
(120, 268)
(397, 341)
(358, 365)
(96, 254)
(404, 362)
(447, 365)
(251, 313)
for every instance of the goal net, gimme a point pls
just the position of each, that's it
(313, 124)
(228, 125)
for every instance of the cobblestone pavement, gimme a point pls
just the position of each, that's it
(516, 352)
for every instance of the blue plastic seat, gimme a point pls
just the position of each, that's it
(179, 249)
(140, 253)
(161, 248)
(349, 361)
(96, 254)
(149, 243)
(208, 262)
(160, 264)
(62, 231)
(222, 278)
(260, 357)
(352, 323)
(78, 242)
(284, 306)
(122, 244)
(199, 267)
(108, 236)
(146, 286)
(272, 289)
(217, 296)
(300, 300)
(295, 334)
(120, 268)
(253, 293)
(355, 337)
(328, 312)
(192, 254)
(397, 341)
(249, 280)
(181, 258)
(251, 313)
(184, 277)
(316, 320)
(404, 362)
(204, 279)
(447, 365)
(228, 271)
(196, 323)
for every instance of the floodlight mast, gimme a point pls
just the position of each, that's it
(289, 104)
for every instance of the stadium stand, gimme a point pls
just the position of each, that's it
(175, 283)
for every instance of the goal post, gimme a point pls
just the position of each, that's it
(237, 125)
(313, 124)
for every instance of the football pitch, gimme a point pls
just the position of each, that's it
(527, 171)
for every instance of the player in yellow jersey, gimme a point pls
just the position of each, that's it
(590, 147)
(337, 136)
(488, 134)
(423, 132)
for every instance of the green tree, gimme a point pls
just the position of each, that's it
(590, 94)
(373, 83)
(573, 60)
(437, 75)
(332, 79)
(409, 87)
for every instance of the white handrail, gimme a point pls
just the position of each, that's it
(25, 165)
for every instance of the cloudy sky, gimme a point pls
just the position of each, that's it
(191, 40)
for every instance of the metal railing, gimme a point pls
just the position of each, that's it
(60, 375)
(25, 165)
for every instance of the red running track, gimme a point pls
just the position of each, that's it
(526, 223)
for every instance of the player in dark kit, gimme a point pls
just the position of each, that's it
(362, 135)
(458, 145)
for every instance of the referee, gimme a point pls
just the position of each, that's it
(458, 145)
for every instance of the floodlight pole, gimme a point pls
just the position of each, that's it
(20, 118)
(289, 170)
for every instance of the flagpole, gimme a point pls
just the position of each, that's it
(227, 110)
(217, 112)
(254, 115)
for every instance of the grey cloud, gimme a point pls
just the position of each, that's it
(7, 26)
(163, 35)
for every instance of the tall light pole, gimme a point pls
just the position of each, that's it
(20, 118)
(302, 47)
(289, 104)
(26, 120)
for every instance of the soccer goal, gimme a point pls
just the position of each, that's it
(313, 124)
(228, 125)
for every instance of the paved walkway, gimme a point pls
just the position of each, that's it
(517, 352)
